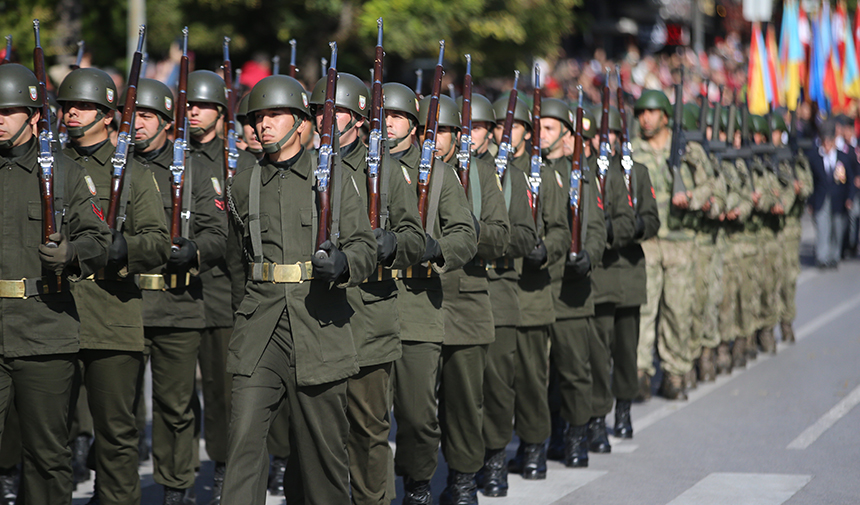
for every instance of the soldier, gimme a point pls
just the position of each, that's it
(40, 325)
(207, 101)
(252, 145)
(110, 304)
(451, 243)
(530, 406)
(503, 276)
(292, 340)
(174, 315)
(669, 265)
(468, 316)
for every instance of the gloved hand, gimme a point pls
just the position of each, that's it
(118, 251)
(581, 265)
(610, 234)
(477, 224)
(332, 267)
(537, 257)
(432, 251)
(184, 258)
(55, 259)
(386, 245)
(639, 231)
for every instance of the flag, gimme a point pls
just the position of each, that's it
(794, 57)
(816, 69)
(757, 96)
(851, 69)
(773, 68)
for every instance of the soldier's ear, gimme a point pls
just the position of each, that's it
(35, 117)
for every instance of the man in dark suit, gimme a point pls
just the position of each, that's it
(833, 175)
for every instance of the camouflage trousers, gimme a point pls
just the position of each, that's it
(789, 240)
(667, 317)
(709, 293)
(771, 265)
(748, 301)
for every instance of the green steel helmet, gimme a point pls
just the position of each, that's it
(242, 108)
(653, 99)
(758, 124)
(449, 113)
(351, 94)
(614, 118)
(400, 98)
(206, 86)
(482, 109)
(557, 109)
(777, 123)
(521, 112)
(88, 85)
(155, 95)
(18, 87)
(691, 116)
(589, 125)
(279, 92)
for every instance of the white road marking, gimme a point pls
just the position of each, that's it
(745, 488)
(820, 321)
(826, 421)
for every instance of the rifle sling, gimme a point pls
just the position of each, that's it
(254, 222)
(475, 190)
(386, 165)
(437, 177)
(186, 198)
(336, 190)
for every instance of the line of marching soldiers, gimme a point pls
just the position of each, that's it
(463, 302)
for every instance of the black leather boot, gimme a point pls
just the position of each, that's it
(174, 496)
(461, 489)
(623, 426)
(416, 492)
(555, 451)
(10, 478)
(276, 476)
(597, 439)
(515, 465)
(492, 479)
(576, 446)
(218, 483)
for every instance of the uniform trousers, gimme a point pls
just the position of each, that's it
(625, 339)
(42, 392)
(499, 393)
(461, 406)
(600, 357)
(217, 386)
(791, 261)
(531, 407)
(317, 420)
(571, 347)
(369, 426)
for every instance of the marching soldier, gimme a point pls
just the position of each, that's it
(174, 315)
(292, 340)
(252, 145)
(451, 243)
(110, 304)
(40, 329)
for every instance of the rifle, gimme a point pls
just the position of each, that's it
(62, 129)
(464, 155)
(7, 58)
(231, 152)
(374, 143)
(505, 148)
(745, 152)
(324, 67)
(323, 170)
(626, 147)
(180, 144)
(125, 137)
(46, 152)
(276, 65)
(715, 145)
(419, 82)
(679, 140)
(536, 161)
(576, 185)
(428, 149)
(292, 70)
(605, 150)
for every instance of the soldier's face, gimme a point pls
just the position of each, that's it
(146, 124)
(758, 138)
(274, 124)
(518, 133)
(399, 125)
(343, 116)
(652, 121)
(776, 137)
(251, 137)
(551, 129)
(12, 120)
(481, 136)
(76, 114)
(202, 115)
(445, 142)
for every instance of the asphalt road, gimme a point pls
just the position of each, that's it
(780, 431)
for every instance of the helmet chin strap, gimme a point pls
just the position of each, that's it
(393, 143)
(198, 131)
(275, 147)
(8, 144)
(143, 144)
(79, 131)
(546, 150)
(352, 122)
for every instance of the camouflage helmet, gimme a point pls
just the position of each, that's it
(482, 109)
(206, 86)
(279, 92)
(398, 97)
(691, 116)
(557, 109)
(88, 85)
(589, 125)
(19, 87)
(614, 118)
(449, 113)
(521, 111)
(155, 95)
(777, 123)
(758, 124)
(653, 99)
(351, 94)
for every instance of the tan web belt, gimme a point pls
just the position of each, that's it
(162, 282)
(417, 272)
(26, 288)
(381, 274)
(283, 274)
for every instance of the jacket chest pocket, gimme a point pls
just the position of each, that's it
(307, 216)
(33, 233)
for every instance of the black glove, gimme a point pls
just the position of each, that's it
(386, 246)
(639, 231)
(432, 251)
(477, 224)
(537, 257)
(610, 234)
(183, 258)
(118, 251)
(332, 267)
(55, 259)
(581, 265)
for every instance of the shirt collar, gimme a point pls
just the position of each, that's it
(28, 159)
(302, 167)
(211, 149)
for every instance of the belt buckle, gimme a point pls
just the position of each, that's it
(287, 273)
(13, 289)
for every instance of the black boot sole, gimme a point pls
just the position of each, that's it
(534, 475)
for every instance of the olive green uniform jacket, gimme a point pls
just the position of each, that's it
(111, 310)
(318, 311)
(466, 298)
(47, 323)
(631, 257)
(216, 280)
(419, 301)
(375, 324)
(183, 307)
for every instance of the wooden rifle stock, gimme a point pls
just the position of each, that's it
(180, 144)
(536, 162)
(292, 69)
(326, 154)
(505, 148)
(231, 152)
(464, 155)
(374, 144)
(428, 148)
(46, 153)
(576, 186)
(604, 150)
